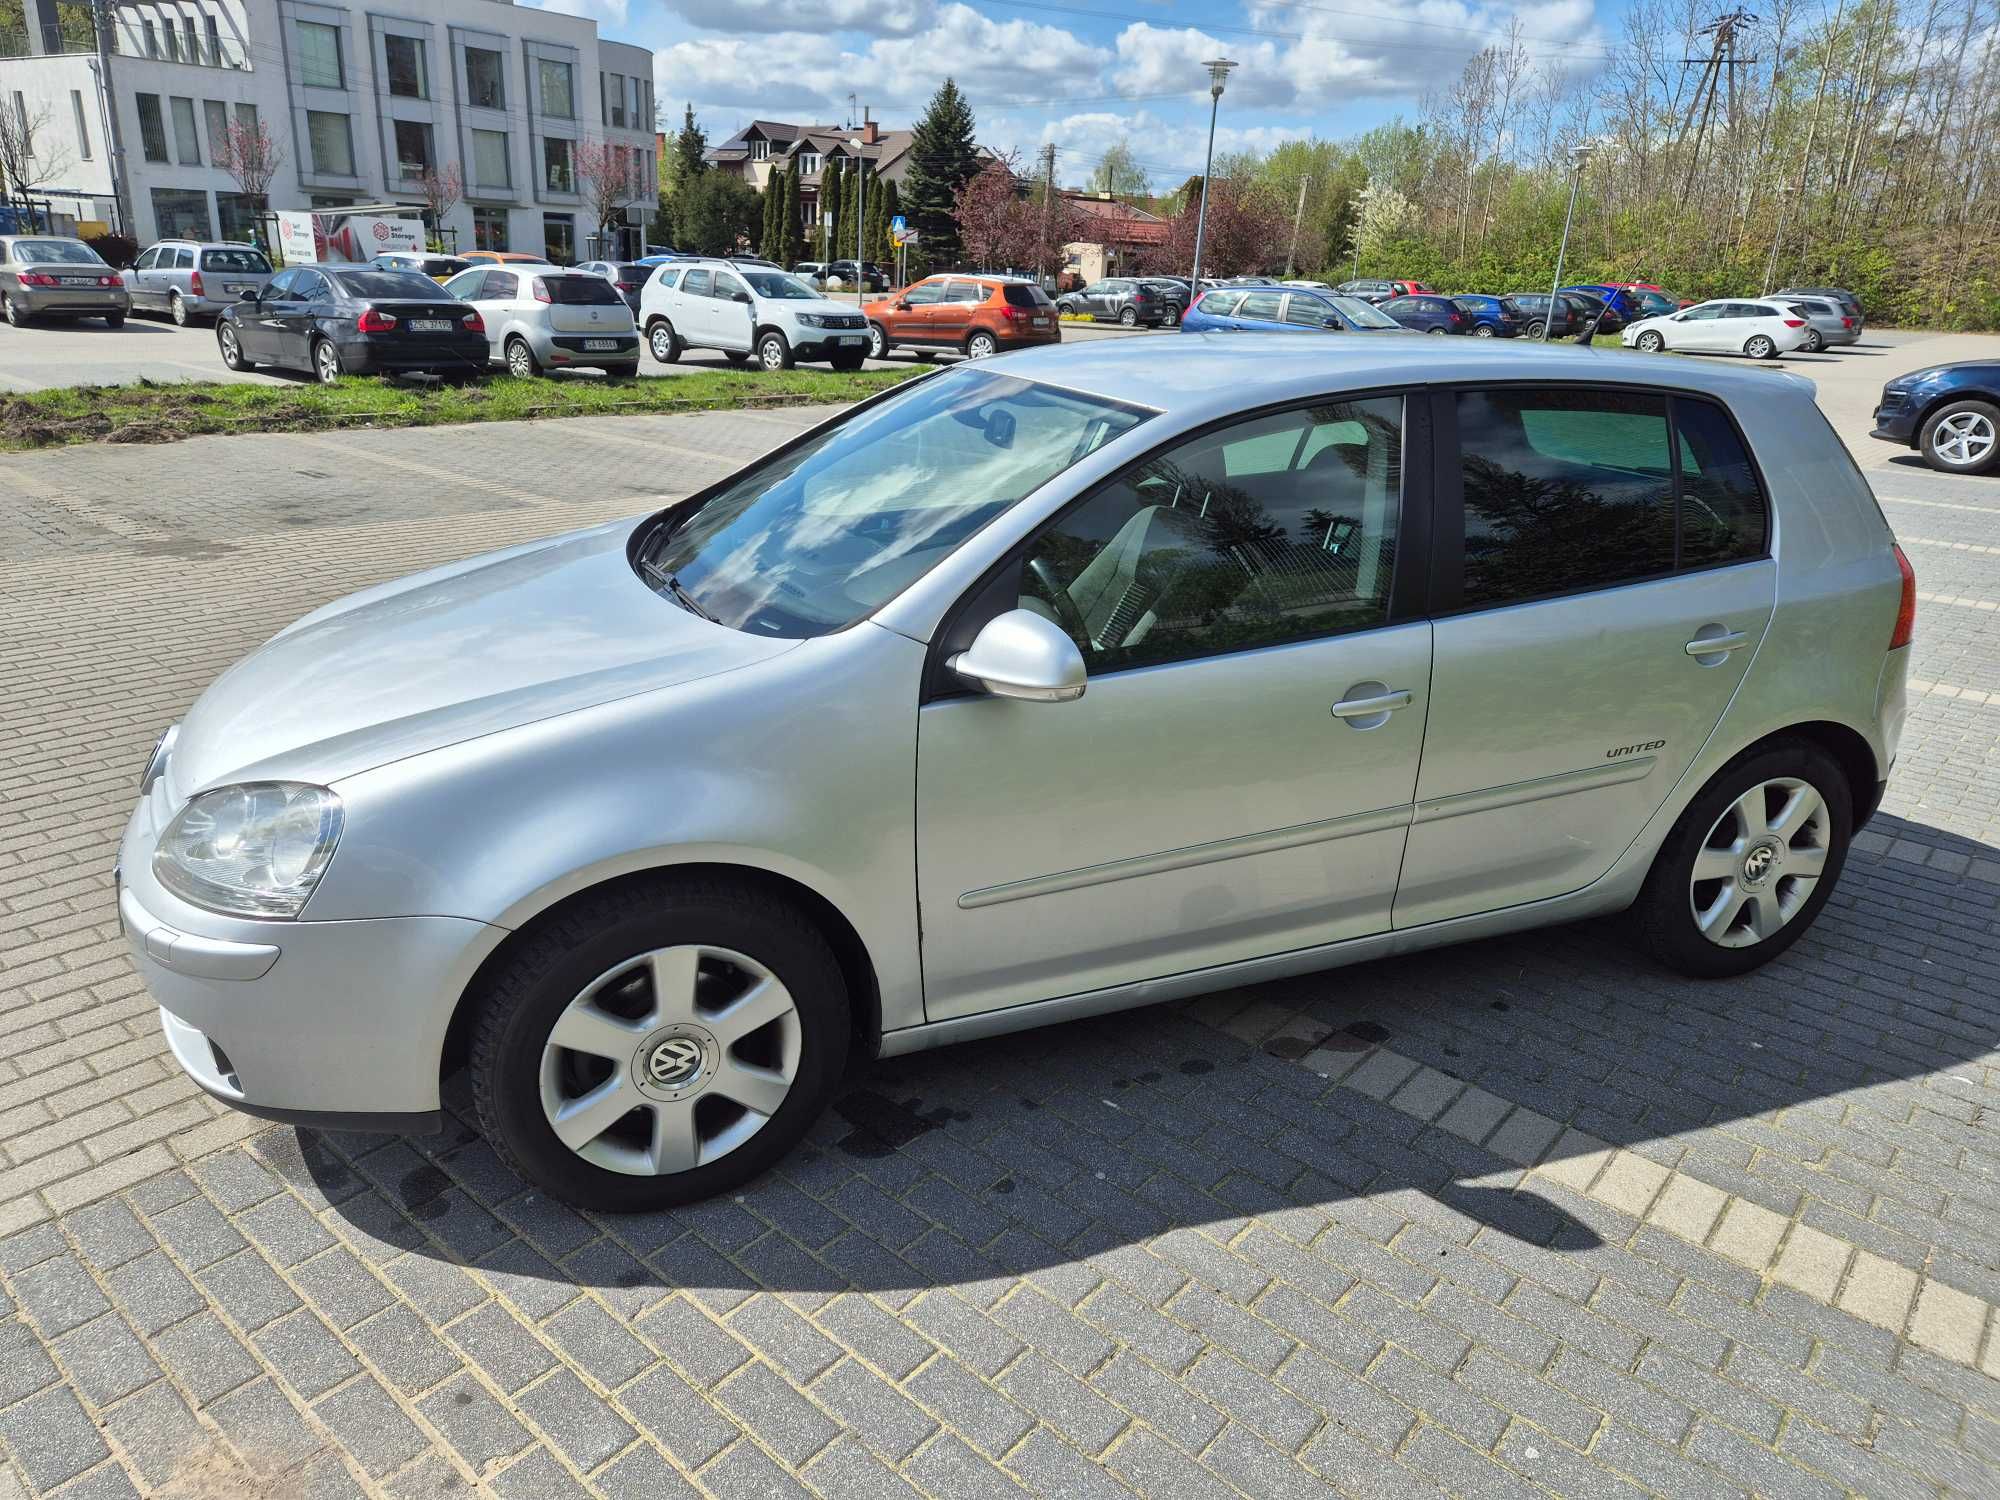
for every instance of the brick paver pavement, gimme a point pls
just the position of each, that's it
(1522, 1217)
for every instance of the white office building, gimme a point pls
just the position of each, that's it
(361, 103)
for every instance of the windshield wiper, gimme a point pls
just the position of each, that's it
(675, 589)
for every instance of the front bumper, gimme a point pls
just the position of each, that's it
(1896, 422)
(825, 343)
(327, 1023)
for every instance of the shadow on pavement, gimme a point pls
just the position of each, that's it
(1021, 1154)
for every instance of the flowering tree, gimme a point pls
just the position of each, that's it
(1004, 221)
(442, 187)
(252, 158)
(1243, 231)
(607, 177)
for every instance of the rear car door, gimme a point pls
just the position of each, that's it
(1596, 604)
(1263, 311)
(694, 309)
(951, 318)
(1200, 804)
(495, 300)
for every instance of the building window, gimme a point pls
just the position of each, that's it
(559, 238)
(215, 116)
(190, 48)
(809, 163)
(319, 56)
(214, 42)
(187, 145)
(489, 159)
(408, 78)
(614, 99)
(485, 79)
(82, 124)
(152, 38)
(246, 116)
(413, 148)
(760, 150)
(328, 200)
(558, 165)
(181, 215)
(332, 143)
(237, 214)
(152, 127)
(558, 96)
(632, 103)
(489, 229)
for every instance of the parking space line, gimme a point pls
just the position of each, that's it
(1951, 546)
(1984, 510)
(429, 471)
(1947, 1322)
(1919, 688)
(1960, 601)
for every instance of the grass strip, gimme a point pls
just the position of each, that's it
(151, 412)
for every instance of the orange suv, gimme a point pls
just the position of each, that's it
(979, 315)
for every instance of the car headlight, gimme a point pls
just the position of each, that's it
(255, 850)
(811, 320)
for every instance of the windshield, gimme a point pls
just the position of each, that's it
(779, 286)
(811, 540)
(236, 260)
(55, 252)
(1362, 315)
(373, 284)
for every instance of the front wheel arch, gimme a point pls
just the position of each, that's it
(857, 968)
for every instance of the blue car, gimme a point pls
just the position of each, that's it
(1622, 301)
(1428, 313)
(1948, 413)
(1277, 309)
(1493, 317)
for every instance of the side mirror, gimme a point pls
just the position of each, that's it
(902, 307)
(743, 297)
(1680, 317)
(1022, 655)
(248, 294)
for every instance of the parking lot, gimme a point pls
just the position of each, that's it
(1526, 1216)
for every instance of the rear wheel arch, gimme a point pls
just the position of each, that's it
(1849, 750)
(857, 967)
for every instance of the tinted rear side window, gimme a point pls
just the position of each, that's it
(581, 291)
(1723, 516)
(1021, 294)
(1564, 491)
(235, 260)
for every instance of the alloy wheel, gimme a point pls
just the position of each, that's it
(671, 1060)
(1482, 331)
(326, 363)
(1965, 438)
(878, 342)
(1760, 347)
(232, 352)
(980, 345)
(1651, 342)
(520, 363)
(177, 310)
(1129, 317)
(12, 309)
(1760, 862)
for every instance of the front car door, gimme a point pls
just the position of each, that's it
(1698, 328)
(1237, 779)
(911, 315)
(295, 318)
(1304, 311)
(141, 280)
(1579, 572)
(735, 320)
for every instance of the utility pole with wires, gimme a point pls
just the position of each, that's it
(1298, 218)
(1048, 207)
(1724, 31)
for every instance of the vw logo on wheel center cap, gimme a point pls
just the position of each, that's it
(674, 1063)
(1758, 863)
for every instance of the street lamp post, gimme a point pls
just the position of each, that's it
(1577, 159)
(1218, 75)
(860, 219)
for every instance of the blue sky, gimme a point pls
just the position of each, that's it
(1087, 73)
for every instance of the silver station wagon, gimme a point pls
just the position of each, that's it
(1038, 687)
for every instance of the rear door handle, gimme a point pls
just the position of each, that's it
(1369, 707)
(1717, 645)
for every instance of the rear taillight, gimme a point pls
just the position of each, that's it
(37, 278)
(1906, 612)
(1197, 299)
(1795, 322)
(628, 286)
(1847, 322)
(374, 320)
(541, 290)
(1013, 314)
(474, 323)
(194, 283)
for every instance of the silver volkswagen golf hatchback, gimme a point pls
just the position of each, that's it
(1032, 689)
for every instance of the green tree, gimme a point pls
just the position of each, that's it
(832, 189)
(772, 206)
(791, 227)
(1119, 173)
(943, 159)
(684, 161)
(715, 213)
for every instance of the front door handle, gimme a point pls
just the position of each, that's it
(1717, 645)
(1377, 705)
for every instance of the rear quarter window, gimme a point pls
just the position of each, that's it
(1724, 517)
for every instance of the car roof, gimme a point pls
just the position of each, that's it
(1203, 374)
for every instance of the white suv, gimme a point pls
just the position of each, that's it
(744, 310)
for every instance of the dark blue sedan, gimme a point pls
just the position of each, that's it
(1429, 314)
(1277, 309)
(1492, 317)
(1948, 413)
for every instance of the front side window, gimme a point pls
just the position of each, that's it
(923, 294)
(558, 97)
(465, 287)
(408, 78)
(489, 159)
(727, 287)
(319, 55)
(1310, 312)
(332, 144)
(152, 127)
(485, 80)
(1564, 490)
(778, 287)
(1278, 529)
(813, 539)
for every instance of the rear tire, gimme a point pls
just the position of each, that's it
(569, 971)
(1962, 437)
(1770, 832)
(1128, 318)
(177, 310)
(325, 362)
(981, 345)
(1760, 346)
(16, 318)
(1482, 330)
(1535, 330)
(114, 320)
(521, 361)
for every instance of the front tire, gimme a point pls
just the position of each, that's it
(1749, 863)
(774, 351)
(662, 342)
(232, 350)
(325, 362)
(1962, 437)
(878, 341)
(658, 1043)
(1651, 341)
(1760, 346)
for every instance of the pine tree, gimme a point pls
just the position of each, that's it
(832, 188)
(885, 245)
(943, 159)
(685, 161)
(791, 233)
(774, 200)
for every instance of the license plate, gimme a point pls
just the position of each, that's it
(79, 281)
(856, 338)
(431, 325)
(593, 346)
(1039, 322)
(238, 286)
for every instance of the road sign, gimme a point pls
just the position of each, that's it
(899, 230)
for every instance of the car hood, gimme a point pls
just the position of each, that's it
(462, 651)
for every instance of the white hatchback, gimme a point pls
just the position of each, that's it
(1760, 328)
(744, 310)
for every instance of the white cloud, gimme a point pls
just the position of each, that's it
(604, 12)
(875, 17)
